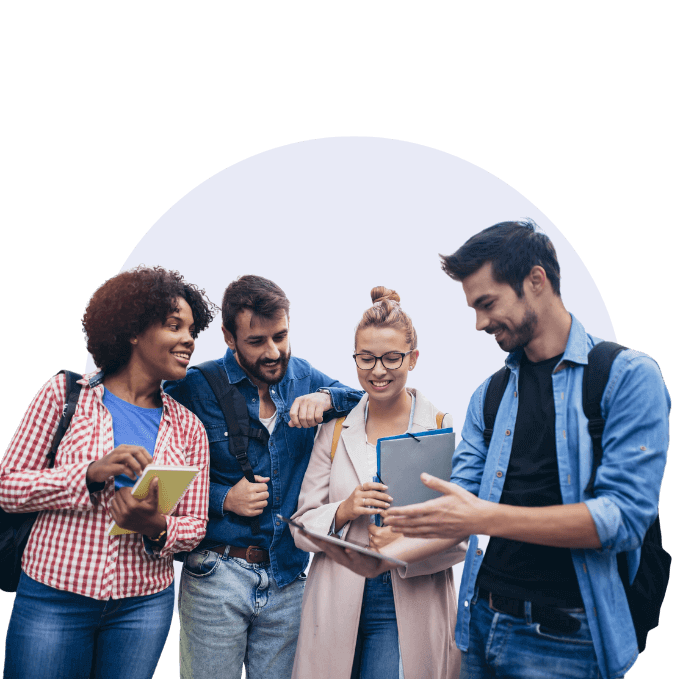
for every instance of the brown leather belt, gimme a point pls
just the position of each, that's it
(250, 554)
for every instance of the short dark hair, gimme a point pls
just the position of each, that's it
(127, 304)
(263, 297)
(513, 248)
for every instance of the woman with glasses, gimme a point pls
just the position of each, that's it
(394, 625)
(87, 604)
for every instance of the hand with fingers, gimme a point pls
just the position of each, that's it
(359, 563)
(125, 459)
(457, 514)
(307, 411)
(380, 536)
(141, 515)
(247, 499)
(367, 499)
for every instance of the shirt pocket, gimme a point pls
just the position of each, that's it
(170, 455)
(78, 444)
(221, 457)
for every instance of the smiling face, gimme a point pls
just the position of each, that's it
(499, 311)
(379, 382)
(164, 349)
(262, 345)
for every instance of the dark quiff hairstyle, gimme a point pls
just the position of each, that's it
(127, 304)
(386, 312)
(513, 248)
(263, 297)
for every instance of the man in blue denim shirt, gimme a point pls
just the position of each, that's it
(543, 598)
(240, 594)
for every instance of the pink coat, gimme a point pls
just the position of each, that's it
(424, 593)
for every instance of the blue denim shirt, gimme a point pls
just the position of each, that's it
(284, 459)
(636, 407)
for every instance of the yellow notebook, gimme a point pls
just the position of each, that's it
(173, 482)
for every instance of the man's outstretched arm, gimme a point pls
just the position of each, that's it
(458, 514)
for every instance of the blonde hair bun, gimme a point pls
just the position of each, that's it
(387, 312)
(380, 292)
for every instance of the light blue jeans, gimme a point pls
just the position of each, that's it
(232, 612)
(60, 635)
(503, 646)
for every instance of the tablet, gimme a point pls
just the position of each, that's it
(334, 540)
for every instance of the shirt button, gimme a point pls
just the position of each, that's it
(479, 552)
(253, 400)
(508, 432)
(225, 433)
(499, 474)
(465, 604)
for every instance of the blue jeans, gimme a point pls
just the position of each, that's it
(233, 612)
(504, 646)
(59, 635)
(377, 645)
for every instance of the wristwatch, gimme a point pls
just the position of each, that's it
(324, 390)
(159, 538)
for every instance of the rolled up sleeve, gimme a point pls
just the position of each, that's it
(636, 408)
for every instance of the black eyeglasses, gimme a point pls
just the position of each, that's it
(391, 360)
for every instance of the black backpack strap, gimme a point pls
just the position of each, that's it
(594, 382)
(495, 392)
(72, 392)
(236, 415)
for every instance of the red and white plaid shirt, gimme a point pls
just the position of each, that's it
(69, 548)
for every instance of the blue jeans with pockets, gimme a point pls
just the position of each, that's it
(233, 612)
(503, 645)
(55, 634)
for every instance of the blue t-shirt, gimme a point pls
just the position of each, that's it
(133, 426)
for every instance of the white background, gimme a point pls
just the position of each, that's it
(357, 211)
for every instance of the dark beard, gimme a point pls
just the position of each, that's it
(520, 336)
(256, 370)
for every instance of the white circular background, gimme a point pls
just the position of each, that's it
(329, 219)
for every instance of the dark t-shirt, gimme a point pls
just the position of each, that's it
(519, 569)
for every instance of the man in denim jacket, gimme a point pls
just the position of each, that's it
(543, 598)
(240, 594)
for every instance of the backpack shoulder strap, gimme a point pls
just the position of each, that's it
(336, 436)
(495, 392)
(594, 381)
(72, 392)
(439, 419)
(234, 409)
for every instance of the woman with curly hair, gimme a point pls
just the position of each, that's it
(87, 604)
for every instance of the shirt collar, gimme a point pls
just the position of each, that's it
(233, 370)
(576, 350)
(95, 379)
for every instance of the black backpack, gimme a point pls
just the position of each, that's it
(15, 528)
(646, 593)
(236, 415)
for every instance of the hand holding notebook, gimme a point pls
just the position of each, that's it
(173, 482)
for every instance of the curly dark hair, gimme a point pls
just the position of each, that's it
(127, 304)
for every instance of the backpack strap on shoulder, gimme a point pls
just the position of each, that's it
(336, 436)
(72, 392)
(594, 381)
(495, 392)
(234, 409)
(439, 419)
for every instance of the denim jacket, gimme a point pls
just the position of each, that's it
(283, 459)
(636, 407)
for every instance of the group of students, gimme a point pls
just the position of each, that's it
(90, 605)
